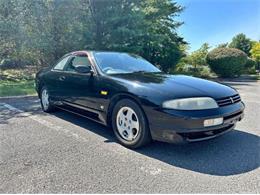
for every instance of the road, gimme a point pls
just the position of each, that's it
(64, 153)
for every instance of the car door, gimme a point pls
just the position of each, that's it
(78, 88)
(55, 76)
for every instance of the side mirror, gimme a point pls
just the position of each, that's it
(83, 69)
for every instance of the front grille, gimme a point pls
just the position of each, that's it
(228, 100)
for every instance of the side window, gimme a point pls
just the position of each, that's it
(77, 60)
(61, 64)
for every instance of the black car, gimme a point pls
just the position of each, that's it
(137, 100)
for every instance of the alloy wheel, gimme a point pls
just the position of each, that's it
(127, 123)
(45, 99)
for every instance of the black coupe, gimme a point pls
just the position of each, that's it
(137, 100)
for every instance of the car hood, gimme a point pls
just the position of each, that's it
(175, 86)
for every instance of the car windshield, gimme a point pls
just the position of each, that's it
(117, 63)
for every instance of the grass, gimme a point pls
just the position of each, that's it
(17, 88)
(14, 82)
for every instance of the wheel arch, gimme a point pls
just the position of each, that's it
(40, 86)
(119, 97)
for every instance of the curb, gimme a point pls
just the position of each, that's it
(19, 96)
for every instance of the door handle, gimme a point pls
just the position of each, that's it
(62, 78)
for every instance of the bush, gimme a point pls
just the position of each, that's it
(250, 63)
(227, 62)
(187, 69)
(11, 64)
(250, 66)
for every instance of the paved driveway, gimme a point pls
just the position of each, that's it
(42, 153)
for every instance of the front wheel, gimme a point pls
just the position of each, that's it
(45, 101)
(130, 125)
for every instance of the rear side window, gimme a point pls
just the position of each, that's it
(61, 64)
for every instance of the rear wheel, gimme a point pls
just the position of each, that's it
(129, 124)
(45, 101)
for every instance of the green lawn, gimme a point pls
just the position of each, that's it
(11, 88)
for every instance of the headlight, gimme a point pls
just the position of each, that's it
(199, 103)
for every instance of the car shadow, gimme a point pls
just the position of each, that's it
(30, 108)
(234, 153)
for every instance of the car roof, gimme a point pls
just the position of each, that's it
(92, 51)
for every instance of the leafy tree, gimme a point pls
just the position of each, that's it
(241, 42)
(194, 64)
(143, 27)
(255, 53)
(250, 66)
(10, 33)
(53, 28)
(198, 57)
(222, 45)
(116, 24)
(41, 31)
(160, 42)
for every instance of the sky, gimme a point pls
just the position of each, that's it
(217, 21)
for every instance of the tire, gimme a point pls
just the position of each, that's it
(45, 103)
(130, 125)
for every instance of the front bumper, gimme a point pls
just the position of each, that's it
(181, 126)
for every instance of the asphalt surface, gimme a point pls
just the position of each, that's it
(64, 153)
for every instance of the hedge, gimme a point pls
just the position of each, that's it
(227, 62)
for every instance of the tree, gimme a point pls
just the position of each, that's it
(255, 53)
(198, 57)
(54, 28)
(144, 27)
(10, 33)
(222, 45)
(227, 62)
(116, 25)
(41, 31)
(250, 65)
(241, 42)
(160, 42)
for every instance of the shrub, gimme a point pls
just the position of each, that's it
(187, 69)
(227, 62)
(250, 63)
(250, 66)
(11, 64)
